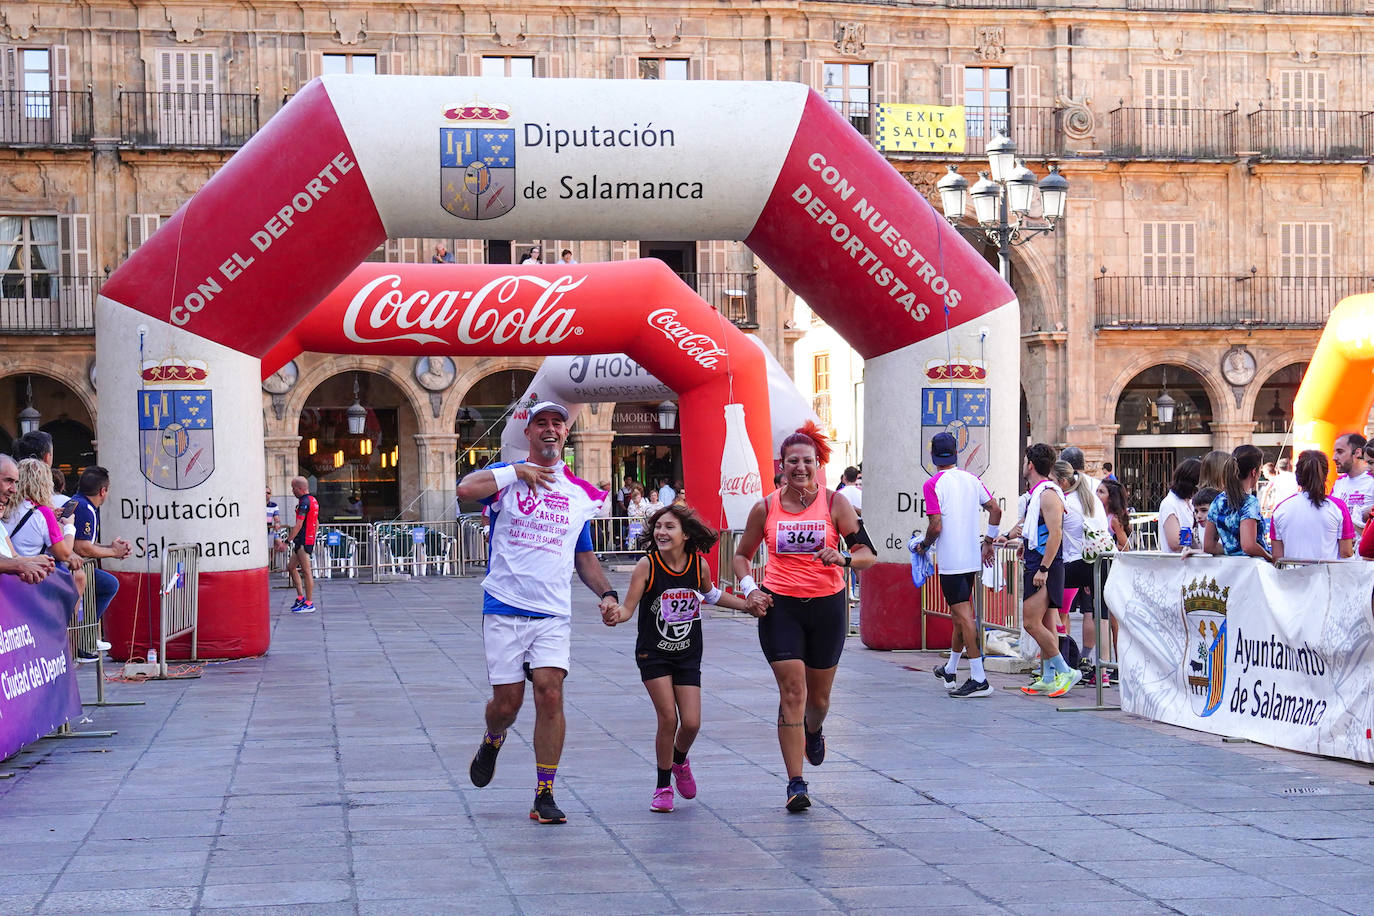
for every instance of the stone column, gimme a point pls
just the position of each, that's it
(438, 454)
(592, 452)
(282, 453)
(1226, 436)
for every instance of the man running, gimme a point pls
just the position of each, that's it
(303, 546)
(539, 534)
(952, 499)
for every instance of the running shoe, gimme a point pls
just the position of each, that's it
(483, 766)
(946, 679)
(545, 811)
(1038, 686)
(815, 747)
(102, 646)
(305, 607)
(682, 777)
(797, 799)
(1063, 683)
(297, 603)
(972, 688)
(663, 800)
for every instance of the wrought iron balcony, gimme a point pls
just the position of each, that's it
(1221, 302)
(1035, 128)
(1171, 133)
(1307, 134)
(47, 304)
(187, 120)
(45, 119)
(734, 295)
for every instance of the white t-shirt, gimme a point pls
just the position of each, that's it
(1181, 509)
(855, 495)
(1310, 532)
(957, 497)
(1074, 524)
(535, 534)
(1357, 493)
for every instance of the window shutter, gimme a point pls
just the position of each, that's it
(74, 237)
(625, 67)
(462, 66)
(703, 69)
(886, 77)
(390, 62)
(9, 69)
(541, 67)
(141, 227)
(813, 74)
(950, 93)
(61, 102)
(61, 79)
(1025, 86)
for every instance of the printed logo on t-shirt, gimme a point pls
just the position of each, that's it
(675, 610)
(801, 536)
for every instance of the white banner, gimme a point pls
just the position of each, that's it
(1235, 647)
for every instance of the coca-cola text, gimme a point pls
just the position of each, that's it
(378, 314)
(702, 348)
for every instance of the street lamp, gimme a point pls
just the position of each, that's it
(1003, 200)
(357, 413)
(1164, 405)
(29, 418)
(667, 416)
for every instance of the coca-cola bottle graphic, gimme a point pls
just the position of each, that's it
(740, 486)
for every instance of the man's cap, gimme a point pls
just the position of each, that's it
(542, 406)
(944, 446)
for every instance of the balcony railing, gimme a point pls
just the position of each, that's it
(1306, 134)
(1171, 133)
(47, 304)
(1035, 128)
(1280, 7)
(187, 120)
(734, 295)
(1221, 302)
(45, 119)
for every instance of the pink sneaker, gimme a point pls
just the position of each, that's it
(663, 800)
(682, 776)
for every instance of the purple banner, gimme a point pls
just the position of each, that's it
(37, 678)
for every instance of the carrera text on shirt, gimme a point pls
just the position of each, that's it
(534, 537)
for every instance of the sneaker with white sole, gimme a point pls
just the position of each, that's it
(663, 800)
(972, 688)
(102, 646)
(683, 778)
(305, 607)
(947, 680)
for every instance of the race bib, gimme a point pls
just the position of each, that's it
(679, 605)
(806, 536)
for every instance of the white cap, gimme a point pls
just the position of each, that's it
(546, 405)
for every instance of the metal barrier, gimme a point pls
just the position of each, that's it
(997, 608)
(342, 549)
(417, 549)
(83, 634)
(179, 601)
(1101, 569)
(472, 542)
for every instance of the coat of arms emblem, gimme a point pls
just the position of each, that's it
(176, 425)
(477, 162)
(1204, 662)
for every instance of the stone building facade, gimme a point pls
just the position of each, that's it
(1218, 153)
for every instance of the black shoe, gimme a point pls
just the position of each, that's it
(972, 688)
(545, 811)
(815, 747)
(483, 765)
(797, 799)
(945, 678)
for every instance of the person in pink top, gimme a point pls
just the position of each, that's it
(1310, 525)
(802, 634)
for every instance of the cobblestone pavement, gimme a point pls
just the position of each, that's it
(331, 777)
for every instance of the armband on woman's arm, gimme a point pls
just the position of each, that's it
(859, 537)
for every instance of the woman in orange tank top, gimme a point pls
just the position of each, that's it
(805, 615)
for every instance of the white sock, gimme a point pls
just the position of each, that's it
(975, 668)
(952, 667)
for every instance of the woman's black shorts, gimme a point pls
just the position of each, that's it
(811, 629)
(1078, 574)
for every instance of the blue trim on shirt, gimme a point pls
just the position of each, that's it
(584, 540)
(492, 605)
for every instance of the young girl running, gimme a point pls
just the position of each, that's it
(669, 584)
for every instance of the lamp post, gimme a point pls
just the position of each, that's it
(29, 418)
(1164, 404)
(1002, 201)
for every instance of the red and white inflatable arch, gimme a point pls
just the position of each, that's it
(183, 326)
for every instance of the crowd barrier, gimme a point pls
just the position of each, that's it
(1278, 653)
(178, 601)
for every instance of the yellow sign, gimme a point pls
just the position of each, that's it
(921, 128)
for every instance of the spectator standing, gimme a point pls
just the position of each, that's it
(92, 490)
(1311, 525)
(1107, 472)
(1213, 473)
(1356, 487)
(1234, 523)
(666, 493)
(302, 538)
(1074, 456)
(1176, 509)
(273, 523)
(1081, 503)
(1282, 485)
(1113, 497)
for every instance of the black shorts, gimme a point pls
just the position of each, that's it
(957, 587)
(1078, 574)
(810, 629)
(1054, 582)
(302, 545)
(684, 672)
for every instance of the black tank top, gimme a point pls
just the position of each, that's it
(670, 611)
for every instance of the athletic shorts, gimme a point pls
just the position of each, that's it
(511, 640)
(685, 673)
(957, 587)
(1054, 582)
(810, 629)
(298, 544)
(1078, 574)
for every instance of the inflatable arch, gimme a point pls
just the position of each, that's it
(183, 326)
(1336, 394)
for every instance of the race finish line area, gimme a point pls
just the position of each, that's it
(331, 776)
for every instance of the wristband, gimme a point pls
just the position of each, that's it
(848, 561)
(712, 596)
(748, 585)
(504, 477)
(993, 532)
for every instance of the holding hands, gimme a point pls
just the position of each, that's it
(757, 603)
(615, 614)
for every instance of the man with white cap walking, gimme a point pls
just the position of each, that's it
(539, 533)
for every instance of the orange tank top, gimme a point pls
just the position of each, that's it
(792, 540)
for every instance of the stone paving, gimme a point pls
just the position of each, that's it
(331, 777)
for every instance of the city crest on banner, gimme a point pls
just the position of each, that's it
(958, 409)
(1204, 661)
(477, 162)
(176, 436)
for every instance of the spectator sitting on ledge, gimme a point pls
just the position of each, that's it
(30, 569)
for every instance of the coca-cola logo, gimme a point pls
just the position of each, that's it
(748, 484)
(702, 348)
(381, 311)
